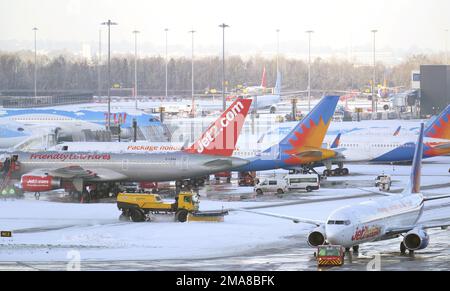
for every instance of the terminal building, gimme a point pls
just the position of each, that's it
(434, 83)
(26, 99)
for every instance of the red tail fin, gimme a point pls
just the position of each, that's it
(221, 137)
(263, 80)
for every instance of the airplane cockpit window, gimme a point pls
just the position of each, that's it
(339, 222)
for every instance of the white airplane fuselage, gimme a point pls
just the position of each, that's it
(368, 221)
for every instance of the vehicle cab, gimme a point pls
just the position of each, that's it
(383, 182)
(330, 255)
(271, 185)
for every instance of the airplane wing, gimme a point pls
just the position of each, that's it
(218, 163)
(436, 197)
(77, 172)
(399, 230)
(294, 219)
(376, 192)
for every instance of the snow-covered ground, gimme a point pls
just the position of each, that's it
(47, 231)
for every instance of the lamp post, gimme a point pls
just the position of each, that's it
(35, 29)
(192, 68)
(374, 107)
(135, 32)
(109, 23)
(309, 32)
(99, 61)
(167, 31)
(278, 49)
(224, 104)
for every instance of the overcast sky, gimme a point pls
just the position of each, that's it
(406, 25)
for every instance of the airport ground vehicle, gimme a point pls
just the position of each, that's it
(247, 179)
(139, 207)
(226, 175)
(271, 185)
(330, 255)
(308, 182)
(383, 182)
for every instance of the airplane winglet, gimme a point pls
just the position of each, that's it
(221, 137)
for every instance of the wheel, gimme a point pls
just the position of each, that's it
(186, 183)
(347, 250)
(228, 180)
(259, 192)
(355, 249)
(137, 215)
(280, 191)
(124, 217)
(308, 189)
(326, 173)
(345, 172)
(338, 172)
(333, 173)
(201, 182)
(402, 248)
(181, 215)
(178, 184)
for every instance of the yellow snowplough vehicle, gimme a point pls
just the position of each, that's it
(140, 207)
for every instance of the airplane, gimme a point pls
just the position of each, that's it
(378, 219)
(266, 101)
(303, 145)
(254, 90)
(389, 149)
(211, 153)
(66, 123)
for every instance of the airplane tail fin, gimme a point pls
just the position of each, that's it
(221, 137)
(336, 142)
(414, 183)
(263, 79)
(440, 128)
(277, 89)
(311, 131)
(397, 132)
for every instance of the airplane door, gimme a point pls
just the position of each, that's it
(125, 164)
(185, 164)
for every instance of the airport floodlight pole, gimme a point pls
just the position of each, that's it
(99, 62)
(192, 69)
(224, 104)
(109, 23)
(35, 29)
(278, 49)
(374, 109)
(167, 61)
(309, 32)
(135, 32)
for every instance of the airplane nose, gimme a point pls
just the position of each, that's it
(334, 236)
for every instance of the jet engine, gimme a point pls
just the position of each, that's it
(416, 239)
(33, 183)
(273, 109)
(317, 236)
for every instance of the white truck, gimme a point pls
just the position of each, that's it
(307, 182)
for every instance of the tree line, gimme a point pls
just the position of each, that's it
(66, 72)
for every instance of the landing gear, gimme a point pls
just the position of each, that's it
(402, 248)
(339, 172)
(356, 249)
